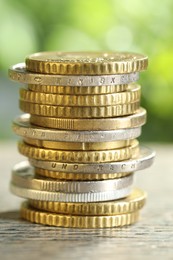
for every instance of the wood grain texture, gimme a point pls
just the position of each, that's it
(151, 237)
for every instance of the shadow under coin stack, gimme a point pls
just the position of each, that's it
(79, 134)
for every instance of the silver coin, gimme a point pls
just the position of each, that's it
(18, 73)
(22, 127)
(70, 197)
(23, 177)
(144, 160)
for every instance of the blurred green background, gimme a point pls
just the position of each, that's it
(73, 25)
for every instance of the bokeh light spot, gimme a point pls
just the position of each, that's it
(119, 38)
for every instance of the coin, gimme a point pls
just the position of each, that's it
(143, 161)
(79, 176)
(44, 154)
(73, 221)
(23, 177)
(136, 120)
(19, 73)
(22, 127)
(86, 63)
(78, 146)
(79, 112)
(78, 90)
(132, 94)
(70, 197)
(135, 201)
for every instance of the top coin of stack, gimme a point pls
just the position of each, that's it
(84, 115)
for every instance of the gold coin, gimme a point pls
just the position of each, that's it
(135, 201)
(135, 120)
(78, 146)
(74, 221)
(79, 112)
(80, 156)
(79, 176)
(132, 94)
(86, 63)
(78, 90)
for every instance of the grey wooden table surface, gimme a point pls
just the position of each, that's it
(151, 237)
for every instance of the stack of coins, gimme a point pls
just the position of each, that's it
(79, 134)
